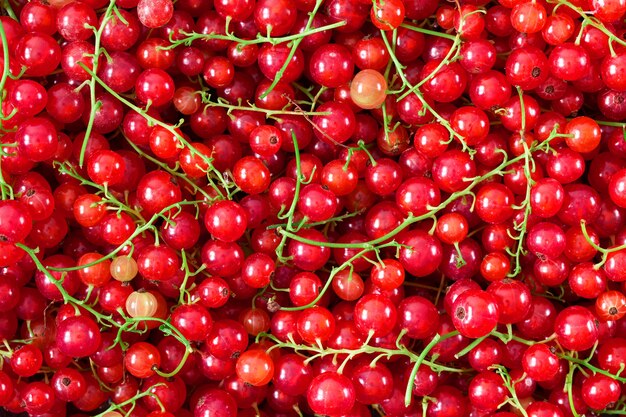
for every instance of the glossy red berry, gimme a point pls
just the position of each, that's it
(476, 313)
(330, 393)
(576, 328)
(255, 367)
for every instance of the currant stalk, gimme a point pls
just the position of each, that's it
(172, 171)
(595, 369)
(605, 252)
(408, 396)
(569, 380)
(6, 5)
(95, 105)
(292, 209)
(529, 168)
(108, 198)
(183, 287)
(294, 47)
(148, 225)
(193, 36)
(523, 226)
(130, 323)
(588, 21)
(220, 102)
(153, 121)
(132, 401)
(106, 320)
(5, 189)
(509, 384)
(368, 349)
(337, 269)
(5, 65)
(411, 219)
(414, 89)
(428, 31)
(452, 53)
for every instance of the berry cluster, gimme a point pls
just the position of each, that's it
(342, 208)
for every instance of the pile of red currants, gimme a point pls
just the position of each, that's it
(340, 208)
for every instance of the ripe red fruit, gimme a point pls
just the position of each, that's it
(599, 391)
(142, 359)
(226, 220)
(255, 367)
(193, 321)
(15, 222)
(540, 363)
(576, 328)
(475, 313)
(331, 393)
(78, 336)
(154, 14)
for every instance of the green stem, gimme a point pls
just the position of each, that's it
(589, 366)
(587, 21)
(471, 346)
(67, 168)
(9, 9)
(510, 386)
(129, 321)
(58, 284)
(446, 60)
(165, 167)
(520, 94)
(415, 90)
(194, 36)
(4, 186)
(334, 272)
(614, 124)
(523, 226)
(322, 351)
(153, 121)
(569, 380)
(131, 401)
(294, 203)
(6, 63)
(428, 31)
(92, 83)
(408, 395)
(251, 107)
(505, 338)
(411, 219)
(321, 223)
(603, 251)
(138, 231)
(294, 48)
